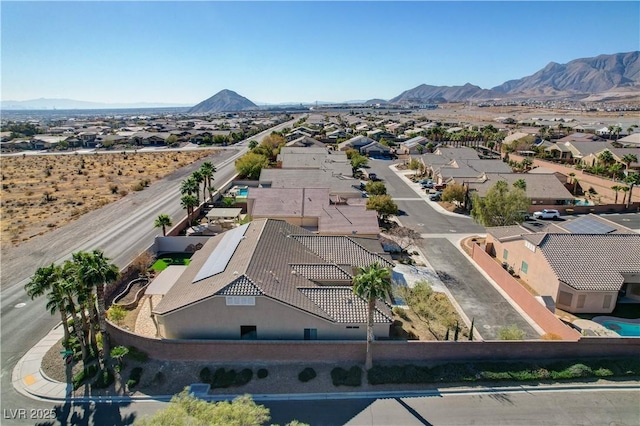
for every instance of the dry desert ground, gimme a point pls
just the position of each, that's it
(43, 192)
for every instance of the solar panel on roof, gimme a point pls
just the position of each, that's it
(588, 226)
(220, 256)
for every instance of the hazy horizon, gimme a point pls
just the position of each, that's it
(181, 53)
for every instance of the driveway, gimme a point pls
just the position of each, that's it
(476, 296)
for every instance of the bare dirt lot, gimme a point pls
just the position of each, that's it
(41, 193)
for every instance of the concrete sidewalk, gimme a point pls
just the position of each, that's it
(27, 377)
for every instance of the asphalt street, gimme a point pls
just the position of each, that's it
(122, 229)
(566, 405)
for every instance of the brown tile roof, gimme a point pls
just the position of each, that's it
(342, 305)
(592, 261)
(274, 259)
(321, 272)
(337, 249)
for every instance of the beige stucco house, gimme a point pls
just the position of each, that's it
(585, 265)
(272, 280)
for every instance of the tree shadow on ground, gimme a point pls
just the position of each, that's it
(90, 413)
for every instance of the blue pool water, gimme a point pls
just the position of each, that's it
(243, 192)
(623, 328)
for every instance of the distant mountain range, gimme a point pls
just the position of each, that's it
(43, 103)
(604, 77)
(224, 100)
(618, 75)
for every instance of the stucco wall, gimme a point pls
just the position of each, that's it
(534, 309)
(176, 244)
(539, 275)
(383, 351)
(541, 278)
(213, 319)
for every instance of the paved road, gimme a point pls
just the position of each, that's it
(122, 229)
(506, 406)
(476, 296)
(419, 215)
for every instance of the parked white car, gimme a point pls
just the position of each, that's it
(546, 214)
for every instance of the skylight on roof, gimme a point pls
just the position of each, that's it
(220, 256)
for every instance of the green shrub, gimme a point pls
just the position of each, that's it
(342, 377)
(511, 333)
(205, 375)
(262, 373)
(134, 377)
(223, 378)
(307, 374)
(83, 375)
(137, 355)
(105, 379)
(243, 377)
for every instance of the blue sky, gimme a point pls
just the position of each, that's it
(184, 52)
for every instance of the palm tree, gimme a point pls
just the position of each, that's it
(617, 130)
(632, 180)
(575, 185)
(83, 293)
(625, 191)
(615, 170)
(188, 202)
(189, 186)
(96, 271)
(46, 281)
(627, 159)
(162, 221)
(198, 178)
(606, 157)
(616, 188)
(372, 282)
(207, 170)
(521, 184)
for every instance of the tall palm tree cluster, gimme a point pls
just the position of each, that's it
(75, 290)
(190, 187)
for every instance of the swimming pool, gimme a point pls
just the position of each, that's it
(243, 192)
(628, 328)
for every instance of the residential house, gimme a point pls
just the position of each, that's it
(585, 265)
(312, 209)
(617, 153)
(575, 151)
(270, 280)
(150, 138)
(355, 142)
(411, 146)
(306, 141)
(633, 140)
(375, 149)
(541, 189)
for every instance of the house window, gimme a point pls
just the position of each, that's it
(353, 326)
(530, 246)
(248, 332)
(581, 299)
(524, 267)
(310, 334)
(565, 298)
(606, 304)
(241, 300)
(505, 254)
